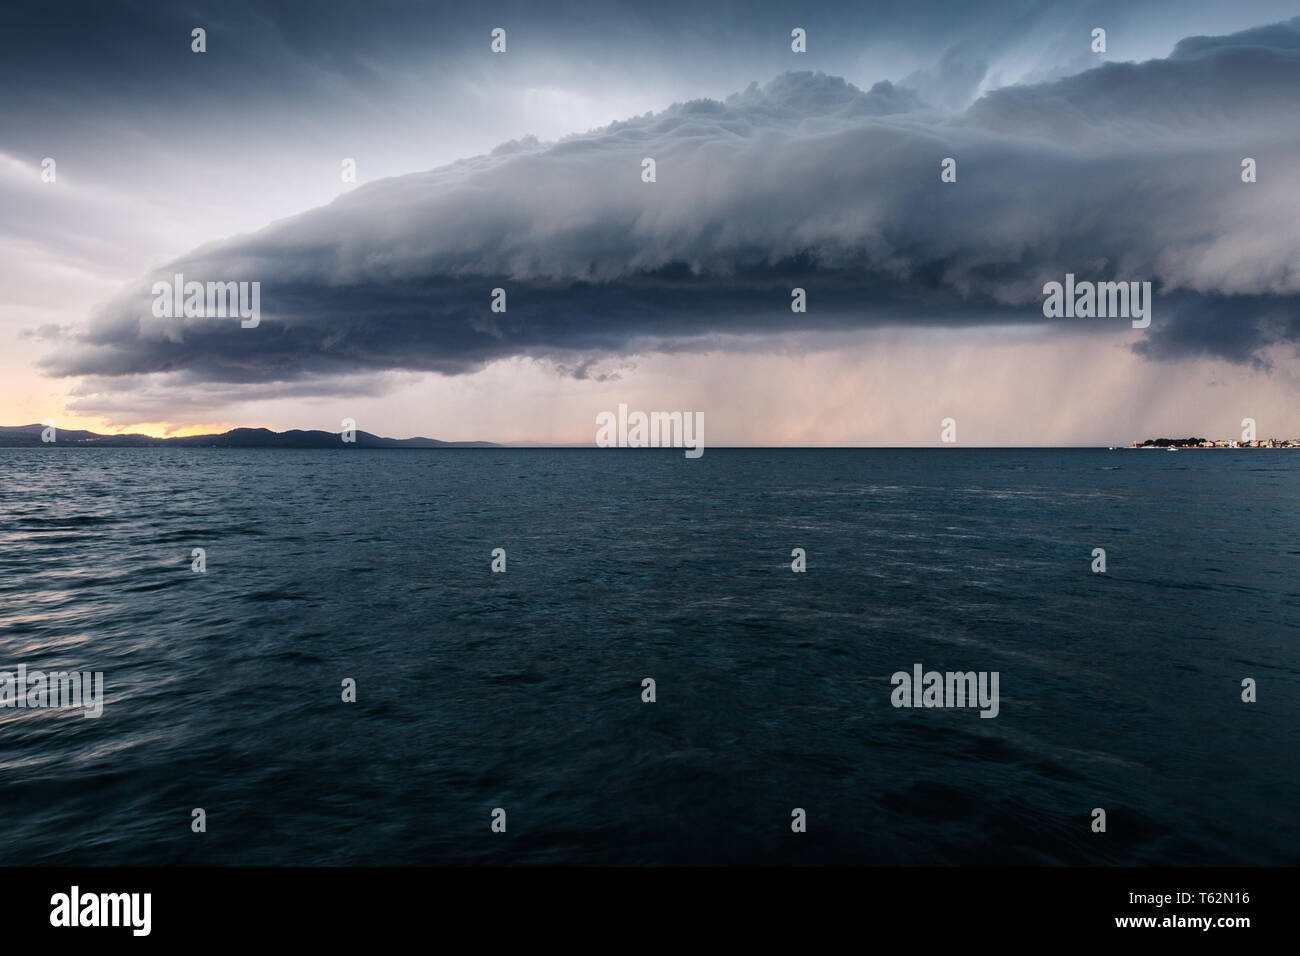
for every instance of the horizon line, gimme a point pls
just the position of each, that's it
(488, 444)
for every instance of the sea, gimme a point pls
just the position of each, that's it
(312, 648)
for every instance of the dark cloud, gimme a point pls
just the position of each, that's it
(1129, 171)
(1238, 328)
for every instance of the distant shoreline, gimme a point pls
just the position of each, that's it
(1180, 443)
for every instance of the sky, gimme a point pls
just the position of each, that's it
(774, 170)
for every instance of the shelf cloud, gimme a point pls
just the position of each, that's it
(1125, 172)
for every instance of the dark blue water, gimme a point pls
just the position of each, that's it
(523, 690)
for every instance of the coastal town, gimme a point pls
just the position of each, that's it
(1175, 443)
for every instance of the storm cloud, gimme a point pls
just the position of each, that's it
(1124, 172)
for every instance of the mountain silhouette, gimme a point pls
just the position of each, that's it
(25, 435)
